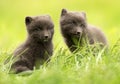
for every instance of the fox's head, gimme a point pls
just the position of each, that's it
(40, 28)
(72, 23)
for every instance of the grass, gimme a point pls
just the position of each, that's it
(64, 68)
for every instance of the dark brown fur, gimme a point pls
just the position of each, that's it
(38, 46)
(74, 26)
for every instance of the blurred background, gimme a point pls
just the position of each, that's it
(102, 13)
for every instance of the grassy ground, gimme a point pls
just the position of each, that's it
(64, 67)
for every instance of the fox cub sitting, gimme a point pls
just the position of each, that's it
(76, 30)
(38, 45)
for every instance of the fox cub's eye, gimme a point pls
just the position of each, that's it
(38, 28)
(82, 25)
(51, 27)
(72, 22)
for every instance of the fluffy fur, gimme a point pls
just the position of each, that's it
(38, 46)
(76, 31)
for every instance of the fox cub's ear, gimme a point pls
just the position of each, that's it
(63, 12)
(83, 14)
(28, 20)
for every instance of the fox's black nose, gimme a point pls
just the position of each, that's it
(46, 37)
(78, 33)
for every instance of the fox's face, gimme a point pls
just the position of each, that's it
(72, 23)
(40, 28)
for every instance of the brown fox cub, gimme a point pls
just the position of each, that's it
(76, 30)
(38, 45)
